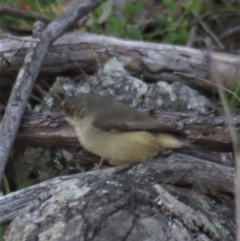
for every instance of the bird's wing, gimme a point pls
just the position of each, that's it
(138, 122)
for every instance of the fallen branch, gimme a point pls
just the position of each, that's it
(28, 74)
(76, 52)
(148, 184)
(51, 131)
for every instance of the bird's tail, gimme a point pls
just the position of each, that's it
(167, 141)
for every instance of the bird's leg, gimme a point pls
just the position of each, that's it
(100, 164)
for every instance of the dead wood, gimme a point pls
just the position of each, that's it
(146, 202)
(29, 72)
(51, 131)
(78, 52)
(7, 9)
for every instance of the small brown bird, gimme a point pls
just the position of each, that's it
(117, 132)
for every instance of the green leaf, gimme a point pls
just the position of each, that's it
(160, 17)
(129, 10)
(193, 5)
(183, 36)
(139, 7)
(2, 231)
(27, 183)
(135, 33)
(169, 3)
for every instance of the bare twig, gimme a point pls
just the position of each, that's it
(23, 39)
(191, 36)
(236, 149)
(211, 83)
(28, 74)
(20, 13)
(229, 32)
(208, 31)
(7, 29)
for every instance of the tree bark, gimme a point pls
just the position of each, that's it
(155, 200)
(29, 72)
(51, 131)
(78, 52)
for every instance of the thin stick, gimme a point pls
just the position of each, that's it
(24, 39)
(208, 31)
(236, 149)
(209, 82)
(6, 9)
(29, 72)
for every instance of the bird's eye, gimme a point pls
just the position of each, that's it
(69, 111)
